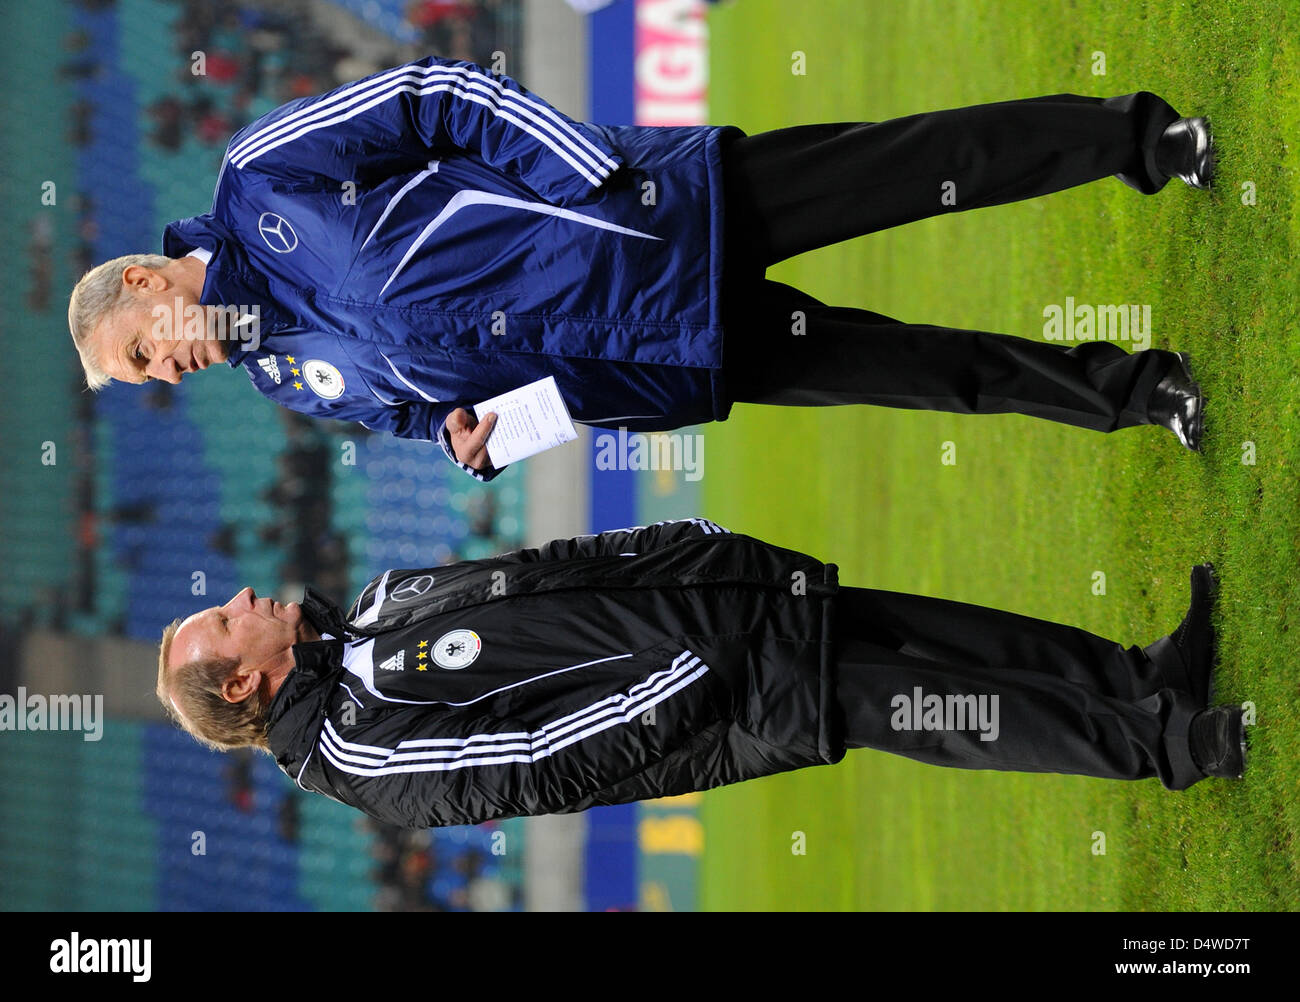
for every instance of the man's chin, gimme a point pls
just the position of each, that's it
(294, 616)
(214, 352)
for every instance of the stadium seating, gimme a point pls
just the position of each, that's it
(111, 824)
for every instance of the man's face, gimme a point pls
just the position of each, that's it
(164, 333)
(256, 631)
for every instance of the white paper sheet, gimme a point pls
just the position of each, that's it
(530, 419)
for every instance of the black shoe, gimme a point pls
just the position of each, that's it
(1217, 737)
(1187, 657)
(1186, 151)
(1178, 404)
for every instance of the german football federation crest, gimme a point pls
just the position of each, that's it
(323, 379)
(457, 649)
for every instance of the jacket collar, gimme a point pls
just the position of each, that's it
(229, 278)
(294, 716)
(323, 614)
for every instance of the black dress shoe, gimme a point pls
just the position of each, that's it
(1218, 742)
(1177, 403)
(1185, 150)
(1187, 657)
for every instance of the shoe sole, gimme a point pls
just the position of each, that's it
(1212, 597)
(1241, 739)
(1198, 438)
(1212, 157)
(1208, 152)
(1240, 718)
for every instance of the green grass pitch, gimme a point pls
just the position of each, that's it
(1032, 509)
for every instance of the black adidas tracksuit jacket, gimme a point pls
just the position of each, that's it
(632, 664)
(656, 661)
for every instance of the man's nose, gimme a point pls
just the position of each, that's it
(243, 599)
(163, 366)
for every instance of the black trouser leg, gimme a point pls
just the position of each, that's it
(1066, 701)
(846, 355)
(790, 190)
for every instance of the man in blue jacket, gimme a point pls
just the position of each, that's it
(410, 244)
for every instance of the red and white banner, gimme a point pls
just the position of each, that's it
(672, 63)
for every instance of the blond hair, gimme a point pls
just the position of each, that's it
(192, 697)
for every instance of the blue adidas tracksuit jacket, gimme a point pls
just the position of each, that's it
(434, 234)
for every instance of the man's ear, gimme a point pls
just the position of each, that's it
(144, 279)
(242, 684)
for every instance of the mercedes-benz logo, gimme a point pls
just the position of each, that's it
(411, 588)
(277, 232)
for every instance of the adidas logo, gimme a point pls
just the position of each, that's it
(270, 368)
(396, 663)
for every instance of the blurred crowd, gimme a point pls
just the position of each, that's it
(433, 870)
(441, 870)
(254, 58)
(461, 29)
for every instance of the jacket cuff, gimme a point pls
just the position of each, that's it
(579, 191)
(444, 440)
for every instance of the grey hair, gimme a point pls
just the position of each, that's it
(99, 294)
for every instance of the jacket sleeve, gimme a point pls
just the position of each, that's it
(413, 419)
(618, 542)
(423, 767)
(425, 423)
(444, 440)
(394, 121)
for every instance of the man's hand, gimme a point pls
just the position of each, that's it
(469, 437)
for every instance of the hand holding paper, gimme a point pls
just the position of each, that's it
(530, 419)
(469, 437)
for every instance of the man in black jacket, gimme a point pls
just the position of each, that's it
(656, 661)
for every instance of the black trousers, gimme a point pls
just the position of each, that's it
(792, 190)
(1054, 698)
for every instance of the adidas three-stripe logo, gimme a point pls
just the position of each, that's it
(504, 747)
(533, 117)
